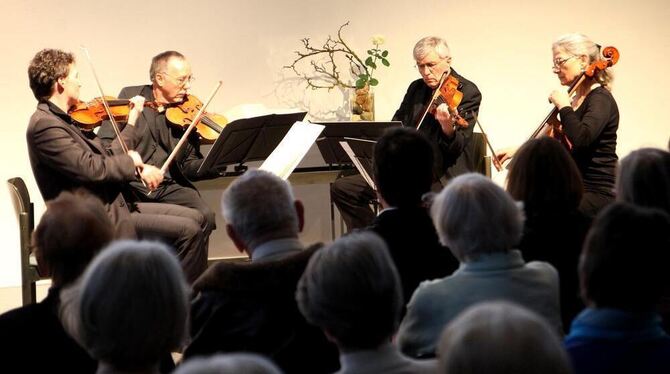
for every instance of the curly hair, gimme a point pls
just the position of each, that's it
(46, 68)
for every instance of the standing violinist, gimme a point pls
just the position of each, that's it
(451, 143)
(589, 119)
(171, 78)
(65, 158)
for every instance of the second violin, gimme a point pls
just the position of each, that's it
(210, 125)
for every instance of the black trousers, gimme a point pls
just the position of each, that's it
(352, 195)
(178, 226)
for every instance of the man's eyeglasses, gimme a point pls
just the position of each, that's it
(431, 65)
(180, 81)
(560, 61)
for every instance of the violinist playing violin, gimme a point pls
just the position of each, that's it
(589, 119)
(171, 77)
(449, 140)
(64, 157)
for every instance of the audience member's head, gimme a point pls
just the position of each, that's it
(544, 176)
(74, 228)
(403, 167)
(351, 290)
(644, 178)
(473, 216)
(133, 305)
(500, 337)
(259, 207)
(624, 260)
(246, 363)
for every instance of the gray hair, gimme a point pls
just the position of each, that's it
(474, 216)
(501, 337)
(247, 363)
(260, 207)
(428, 44)
(133, 305)
(352, 290)
(580, 45)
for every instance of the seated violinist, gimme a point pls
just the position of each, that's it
(171, 79)
(450, 142)
(65, 158)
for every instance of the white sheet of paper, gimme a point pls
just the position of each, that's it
(358, 165)
(291, 150)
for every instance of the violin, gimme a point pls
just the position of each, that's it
(446, 93)
(551, 126)
(182, 114)
(89, 115)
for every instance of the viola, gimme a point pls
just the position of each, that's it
(89, 115)
(446, 93)
(182, 114)
(551, 126)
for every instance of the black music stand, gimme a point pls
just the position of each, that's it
(335, 132)
(363, 151)
(248, 139)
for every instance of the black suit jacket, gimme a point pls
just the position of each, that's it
(34, 341)
(155, 139)
(452, 156)
(414, 246)
(64, 158)
(251, 307)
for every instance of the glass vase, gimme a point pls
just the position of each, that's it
(362, 102)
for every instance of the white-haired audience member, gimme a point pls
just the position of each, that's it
(623, 273)
(501, 337)
(71, 232)
(352, 291)
(131, 307)
(251, 306)
(480, 223)
(243, 363)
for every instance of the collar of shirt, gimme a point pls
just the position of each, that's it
(274, 249)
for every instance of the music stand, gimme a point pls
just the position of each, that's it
(335, 132)
(360, 152)
(248, 139)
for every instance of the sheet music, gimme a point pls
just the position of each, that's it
(291, 150)
(358, 165)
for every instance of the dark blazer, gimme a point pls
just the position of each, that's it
(414, 246)
(452, 156)
(251, 307)
(34, 341)
(155, 139)
(64, 158)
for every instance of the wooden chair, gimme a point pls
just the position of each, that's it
(26, 218)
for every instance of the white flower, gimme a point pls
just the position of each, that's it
(378, 39)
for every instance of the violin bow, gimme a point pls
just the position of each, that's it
(190, 128)
(436, 94)
(494, 159)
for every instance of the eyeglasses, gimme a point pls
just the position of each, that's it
(431, 65)
(560, 61)
(180, 81)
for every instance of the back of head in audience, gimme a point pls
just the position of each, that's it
(71, 232)
(259, 207)
(351, 290)
(501, 337)
(247, 363)
(545, 177)
(474, 216)
(623, 264)
(403, 167)
(644, 178)
(133, 305)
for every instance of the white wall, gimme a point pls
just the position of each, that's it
(503, 46)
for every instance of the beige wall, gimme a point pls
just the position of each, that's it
(503, 46)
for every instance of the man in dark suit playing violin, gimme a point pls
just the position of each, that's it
(171, 76)
(65, 158)
(451, 143)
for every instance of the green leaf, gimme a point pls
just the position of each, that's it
(370, 51)
(360, 83)
(385, 62)
(368, 61)
(373, 82)
(385, 53)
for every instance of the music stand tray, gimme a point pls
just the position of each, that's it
(335, 132)
(249, 139)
